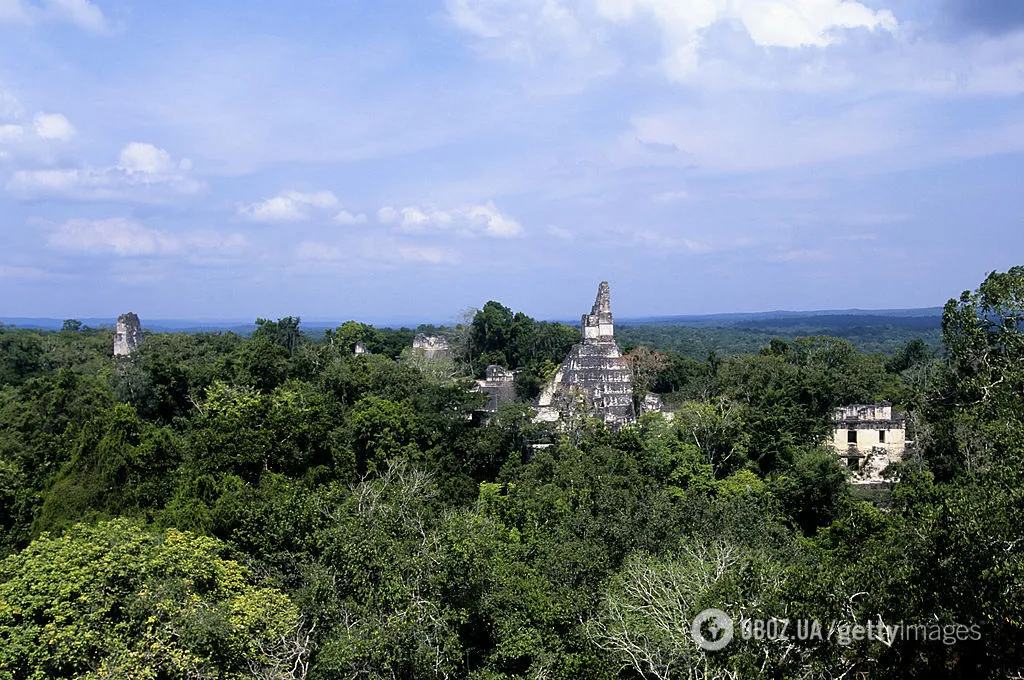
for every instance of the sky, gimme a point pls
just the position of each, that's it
(392, 159)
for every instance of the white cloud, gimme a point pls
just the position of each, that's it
(147, 159)
(525, 28)
(82, 13)
(387, 215)
(53, 126)
(117, 236)
(17, 131)
(473, 220)
(290, 206)
(125, 238)
(143, 173)
(346, 218)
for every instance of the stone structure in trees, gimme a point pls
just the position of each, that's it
(432, 346)
(499, 385)
(868, 437)
(128, 334)
(360, 348)
(593, 375)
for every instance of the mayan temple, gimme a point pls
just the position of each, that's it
(127, 335)
(593, 372)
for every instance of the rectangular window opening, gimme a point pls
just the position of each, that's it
(851, 436)
(881, 436)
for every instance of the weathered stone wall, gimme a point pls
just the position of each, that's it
(881, 411)
(500, 386)
(868, 438)
(431, 346)
(127, 335)
(593, 371)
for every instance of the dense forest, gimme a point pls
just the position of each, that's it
(867, 333)
(274, 506)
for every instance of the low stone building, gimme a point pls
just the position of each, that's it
(593, 373)
(432, 346)
(868, 438)
(499, 385)
(127, 335)
(360, 348)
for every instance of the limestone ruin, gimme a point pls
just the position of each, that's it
(128, 334)
(499, 385)
(360, 348)
(592, 372)
(868, 438)
(432, 347)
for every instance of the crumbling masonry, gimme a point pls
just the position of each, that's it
(128, 334)
(593, 375)
(868, 438)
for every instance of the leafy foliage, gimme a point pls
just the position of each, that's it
(279, 507)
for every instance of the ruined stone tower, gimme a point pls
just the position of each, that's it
(593, 371)
(127, 335)
(598, 325)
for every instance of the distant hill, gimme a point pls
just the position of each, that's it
(882, 330)
(867, 330)
(781, 318)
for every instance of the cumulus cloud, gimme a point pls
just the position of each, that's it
(143, 172)
(346, 218)
(290, 206)
(147, 159)
(53, 126)
(536, 24)
(17, 131)
(82, 13)
(125, 238)
(473, 220)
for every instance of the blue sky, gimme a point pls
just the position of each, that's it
(393, 159)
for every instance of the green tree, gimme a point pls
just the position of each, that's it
(116, 601)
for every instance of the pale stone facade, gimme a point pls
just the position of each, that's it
(431, 346)
(360, 348)
(499, 385)
(127, 335)
(868, 438)
(593, 373)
